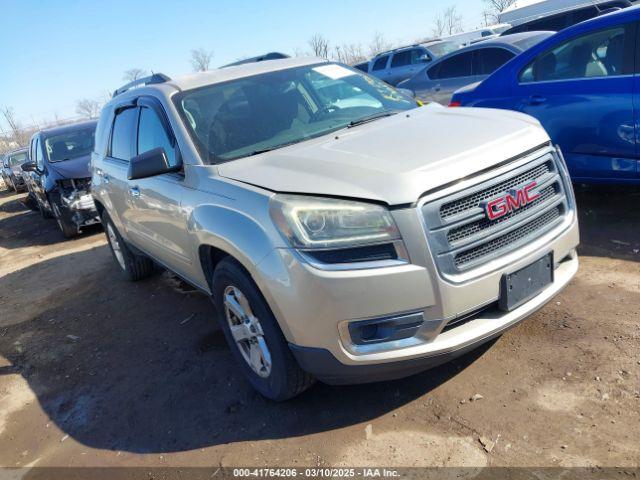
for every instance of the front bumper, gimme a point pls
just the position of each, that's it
(314, 307)
(446, 346)
(79, 209)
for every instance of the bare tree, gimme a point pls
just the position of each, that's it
(453, 20)
(494, 8)
(19, 134)
(319, 46)
(88, 108)
(133, 74)
(438, 29)
(448, 22)
(379, 44)
(201, 59)
(349, 53)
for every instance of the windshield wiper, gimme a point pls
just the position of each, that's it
(275, 147)
(371, 118)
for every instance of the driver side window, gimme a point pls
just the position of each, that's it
(151, 134)
(597, 54)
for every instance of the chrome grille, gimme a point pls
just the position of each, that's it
(472, 201)
(461, 235)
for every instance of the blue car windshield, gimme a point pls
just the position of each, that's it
(69, 145)
(263, 112)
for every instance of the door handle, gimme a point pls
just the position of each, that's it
(437, 88)
(106, 178)
(134, 191)
(536, 100)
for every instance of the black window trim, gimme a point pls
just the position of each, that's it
(630, 60)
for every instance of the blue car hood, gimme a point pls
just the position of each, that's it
(73, 168)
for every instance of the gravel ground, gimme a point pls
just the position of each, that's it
(95, 371)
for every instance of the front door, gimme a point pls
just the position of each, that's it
(160, 221)
(582, 93)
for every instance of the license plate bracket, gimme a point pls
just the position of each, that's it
(522, 285)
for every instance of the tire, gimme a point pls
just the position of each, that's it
(133, 266)
(68, 229)
(283, 379)
(44, 213)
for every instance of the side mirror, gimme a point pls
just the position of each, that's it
(28, 167)
(424, 58)
(151, 163)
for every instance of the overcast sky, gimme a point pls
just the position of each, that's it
(54, 52)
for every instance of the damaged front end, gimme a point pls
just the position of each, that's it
(76, 204)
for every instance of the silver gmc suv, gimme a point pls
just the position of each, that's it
(343, 232)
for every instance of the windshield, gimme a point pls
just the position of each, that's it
(442, 48)
(17, 159)
(254, 114)
(68, 145)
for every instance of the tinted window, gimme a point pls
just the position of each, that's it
(597, 54)
(488, 60)
(267, 111)
(380, 63)
(401, 59)
(122, 135)
(17, 159)
(151, 134)
(453, 67)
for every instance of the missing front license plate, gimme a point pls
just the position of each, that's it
(518, 287)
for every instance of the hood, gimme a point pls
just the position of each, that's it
(73, 168)
(395, 159)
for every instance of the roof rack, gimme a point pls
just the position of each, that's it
(423, 42)
(150, 80)
(259, 58)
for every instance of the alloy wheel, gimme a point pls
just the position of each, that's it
(247, 331)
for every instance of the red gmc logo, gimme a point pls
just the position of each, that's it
(513, 200)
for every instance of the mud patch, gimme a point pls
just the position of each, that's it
(413, 449)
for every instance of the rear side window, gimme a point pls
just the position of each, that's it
(453, 67)
(401, 59)
(596, 54)
(151, 134)
(488, 60)
(380, 63)
(124, 126)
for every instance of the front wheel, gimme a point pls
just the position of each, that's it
(134, 267)
(254, 336)
(68, 229)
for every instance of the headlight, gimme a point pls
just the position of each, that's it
(316, 222)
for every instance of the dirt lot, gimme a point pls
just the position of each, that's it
(98, 371)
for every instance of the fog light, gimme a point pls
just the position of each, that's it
(385, 329)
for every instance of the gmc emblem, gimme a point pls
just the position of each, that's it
(513, 200)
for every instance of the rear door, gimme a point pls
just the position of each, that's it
(160, 221)
(581, 90)
(406, 63)
(379, 68)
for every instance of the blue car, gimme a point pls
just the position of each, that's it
(582, 84)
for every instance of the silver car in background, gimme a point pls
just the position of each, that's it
(438, 81)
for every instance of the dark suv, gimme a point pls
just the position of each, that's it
(59, 177)
(11, 173)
